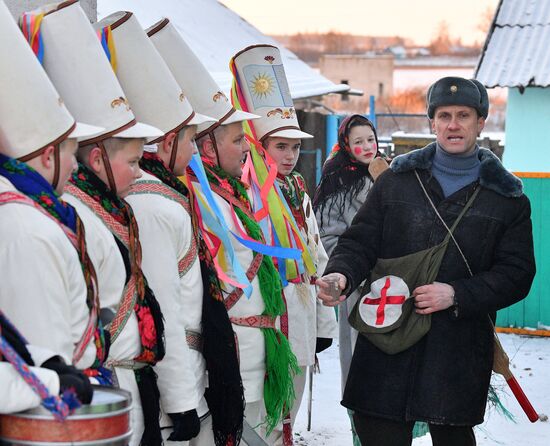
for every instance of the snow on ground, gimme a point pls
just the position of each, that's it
(530, 358)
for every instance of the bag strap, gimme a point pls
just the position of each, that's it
(455, 224)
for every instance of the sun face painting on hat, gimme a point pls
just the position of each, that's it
(74, 58)
(260, 86)
(260, 74)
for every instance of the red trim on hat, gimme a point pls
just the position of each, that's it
(262, 45)
(60, 6)
(175, 129)
(217, 124)
(55, 142)
(120, 21)
(279, 129)
(104, 136)
(158, 26)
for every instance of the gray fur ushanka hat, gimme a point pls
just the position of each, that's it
(458, 91)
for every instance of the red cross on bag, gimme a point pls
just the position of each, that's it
(383, 300)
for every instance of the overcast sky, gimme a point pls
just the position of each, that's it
(416, 19)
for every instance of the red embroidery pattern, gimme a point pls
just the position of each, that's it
(236, 294)
(114, 226)
(194, 340)
(16, 197)
(259, 321)
(158, 188)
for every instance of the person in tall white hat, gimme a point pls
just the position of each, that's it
(218, 346)
(263, 87)
(18, 389)
(162, 211)
(76, 62)
(48, 287)
(223, 149)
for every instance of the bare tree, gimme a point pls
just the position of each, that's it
(338, 43)
(441, 43)
(486, 20)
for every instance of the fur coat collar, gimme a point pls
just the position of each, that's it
(492, 174)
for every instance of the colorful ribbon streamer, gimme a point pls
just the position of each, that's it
(30, 25)
(260, 174)
(215, 228)
(60, 407)
(105, 36)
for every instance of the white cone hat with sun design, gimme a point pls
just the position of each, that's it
(154, 94)
(202, 90)
(76, 62)
(265, 90)
(32, 114)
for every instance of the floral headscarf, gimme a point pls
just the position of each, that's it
(343, 176)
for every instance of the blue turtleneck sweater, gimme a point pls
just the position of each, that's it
(453, 172)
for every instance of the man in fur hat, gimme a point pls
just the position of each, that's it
(443, 379)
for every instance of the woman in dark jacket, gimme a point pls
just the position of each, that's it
(444, 378)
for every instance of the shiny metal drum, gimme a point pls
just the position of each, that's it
(104, 422)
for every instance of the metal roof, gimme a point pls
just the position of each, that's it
(215, 33)
(516, 50)
(523, 12)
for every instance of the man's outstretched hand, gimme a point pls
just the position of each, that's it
(330, 289)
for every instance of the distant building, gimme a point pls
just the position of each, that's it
(420, 72)
(516, 56)
(371, 74)
(397, 51)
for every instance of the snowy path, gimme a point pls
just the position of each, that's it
(531, 366)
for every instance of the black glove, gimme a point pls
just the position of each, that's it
(71, 378)
(322, 344)
(187, 425)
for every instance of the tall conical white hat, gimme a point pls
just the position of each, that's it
(32, 114)
(154, 94)
(193, 77)
(78, 66)
(262, 78)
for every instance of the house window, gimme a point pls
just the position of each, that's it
(380, 89)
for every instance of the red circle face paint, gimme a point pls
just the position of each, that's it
(357, 150)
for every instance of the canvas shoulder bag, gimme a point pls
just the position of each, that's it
(385, 314)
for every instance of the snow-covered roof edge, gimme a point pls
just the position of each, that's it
(215, 33)
(515, 53)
